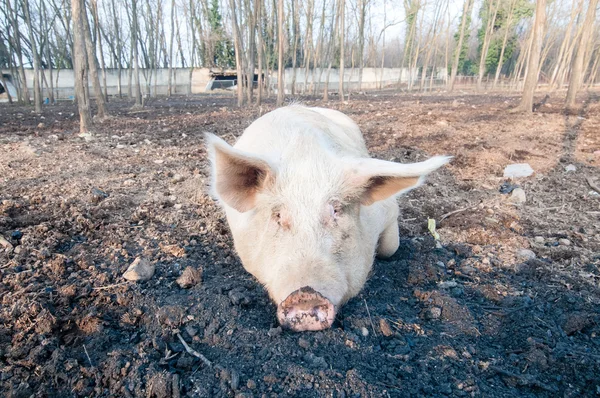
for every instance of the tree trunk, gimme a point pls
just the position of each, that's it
(489, 30)
(531, 79)
(93, 64)
(259, 52)
(171, 40)
(94, 6)
(280, 65)
(79, 60)
(509, 21)
(37, 94)
(461, 36)
(22, 86)
(342, 25)
(579, 67)
(137, 89)
(362, 11)
(237, 44)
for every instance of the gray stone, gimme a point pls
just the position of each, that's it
(518, 196)
(518, 170)
(539, 239)
(526, 254)
(570, 167)
(564, 242)
(447, 284)
(139, 270)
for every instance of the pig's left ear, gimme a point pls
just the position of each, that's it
(237, 176)
(373, 180)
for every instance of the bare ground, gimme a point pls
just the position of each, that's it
(474, 314)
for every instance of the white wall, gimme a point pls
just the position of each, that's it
(194, 81)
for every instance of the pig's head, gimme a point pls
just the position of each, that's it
(301, 226)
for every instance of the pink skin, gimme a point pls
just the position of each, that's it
(306, 310)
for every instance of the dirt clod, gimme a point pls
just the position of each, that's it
(140, 270)
(190, 277)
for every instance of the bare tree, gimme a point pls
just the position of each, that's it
(579, 66)
(92, 63)
(37, 92)
(280, 65)
(342, 35)
(531, 78)
(80, 60)
(487, 38)
(461, 36)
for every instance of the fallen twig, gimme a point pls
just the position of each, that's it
(526, 380)
(592, 185)
(193, 352)
(370, 320)
(442, 218)
(111, 286)
(88, 356)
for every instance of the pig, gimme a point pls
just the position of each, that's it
(309, 209)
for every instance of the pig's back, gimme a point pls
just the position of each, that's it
(276, 131)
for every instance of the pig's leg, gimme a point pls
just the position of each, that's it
(389, 240)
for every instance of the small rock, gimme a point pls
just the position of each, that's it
(41, 126)
(518, 196)
(235, 379)
(526, 254)
(191, 331)
(447, 284)
(517, 170)
(159, 161)
(570, 167)
(98, 195)
(238, 297)
(274, 332)
(189, 277)
(4, 243)
(467, 270)
(251, 384)
(16, 235)
(385, 328)
(53, 137)
(539, 239)
(303, 343)
(564, 242)
(121, 146)
(177, 178)
(177, 206)
(576, 322)
(434, 313)
(364, 331)
(139, 270)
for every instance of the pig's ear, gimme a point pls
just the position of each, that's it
(237, 176)
(373, 180)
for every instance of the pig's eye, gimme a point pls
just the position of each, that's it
(335, 210)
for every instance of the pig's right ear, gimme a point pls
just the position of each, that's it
(237, 176)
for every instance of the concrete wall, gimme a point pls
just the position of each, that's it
(194, 81)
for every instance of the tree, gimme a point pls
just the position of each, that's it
(579, 66)
(537, 38)
(459, 45)
(92, 63)
(280, 66)
(80, 59)
(37, 92)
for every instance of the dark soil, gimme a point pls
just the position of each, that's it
(473, 314)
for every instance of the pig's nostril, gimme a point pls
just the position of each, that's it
(306, 309)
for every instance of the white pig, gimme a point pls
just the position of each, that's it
(309, 209)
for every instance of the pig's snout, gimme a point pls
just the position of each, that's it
(306, 309)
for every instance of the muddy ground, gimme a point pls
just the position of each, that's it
(505, 304)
